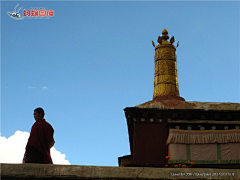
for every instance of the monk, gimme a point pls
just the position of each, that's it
(40, 140)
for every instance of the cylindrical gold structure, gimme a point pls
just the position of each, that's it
(165, 80)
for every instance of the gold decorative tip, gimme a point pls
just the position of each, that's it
(165, 32)
(165, 76)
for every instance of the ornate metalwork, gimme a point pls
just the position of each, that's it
(165, 81)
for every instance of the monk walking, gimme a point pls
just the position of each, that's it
(40, 140)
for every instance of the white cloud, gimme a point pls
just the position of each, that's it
(33, 87)
(12, 149)
(57, 157)
(44, 87)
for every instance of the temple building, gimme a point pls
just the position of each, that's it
(206, 133)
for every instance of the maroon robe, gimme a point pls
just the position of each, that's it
(39, 141)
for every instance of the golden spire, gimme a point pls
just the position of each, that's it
(165, 80)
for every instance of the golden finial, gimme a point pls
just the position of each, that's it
(165, 34)
(165, 81)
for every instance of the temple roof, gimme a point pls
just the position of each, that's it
(176, 104)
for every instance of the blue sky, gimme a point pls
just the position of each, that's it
(93, 59)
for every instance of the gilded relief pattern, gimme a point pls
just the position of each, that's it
(157, 68)
(167, 53)
(165, 67)
(165, 80)
(164, 90)
(157, 54)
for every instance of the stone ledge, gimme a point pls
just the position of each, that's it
(49, 171)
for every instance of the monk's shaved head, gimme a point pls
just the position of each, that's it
(39, 111)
